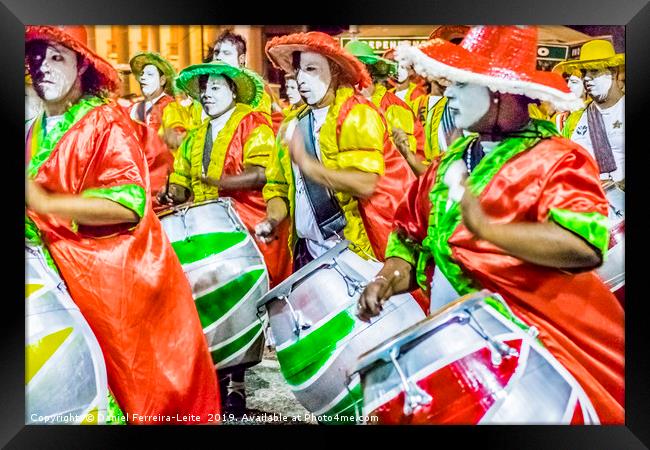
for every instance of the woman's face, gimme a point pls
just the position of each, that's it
(216, 96)
(54, 70)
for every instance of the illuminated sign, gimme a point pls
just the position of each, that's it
(381, 44)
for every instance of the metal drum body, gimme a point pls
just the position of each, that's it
(318, 336)
(65, 373)
(613, 270)
(227, 274)
(470, 364)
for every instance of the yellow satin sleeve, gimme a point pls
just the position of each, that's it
(361, 141)
(259, 146)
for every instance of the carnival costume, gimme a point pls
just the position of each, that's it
(125, 278)
(245, 139)
(579, 321)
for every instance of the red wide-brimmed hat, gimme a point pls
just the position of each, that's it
(75, 38)
(502, 58)
(280, 51)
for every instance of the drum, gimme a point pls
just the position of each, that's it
(613, 269)
(65, 373)
(227, 275)
(318, 336)
(473, 362)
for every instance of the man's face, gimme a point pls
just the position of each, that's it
(598, 82)
(216, 96)
(292, 91)
(227, 52)
(576, 85)
(313, 76)
(468, 103)
(53, 69)
(150, 79)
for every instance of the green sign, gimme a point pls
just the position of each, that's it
(555, 52)
(382, 44)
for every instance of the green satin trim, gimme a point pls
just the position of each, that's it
(114, 415)
(33, 236)
(591, 226)
(131, 196)
(45, 143)
(396, 248)
(443, 222)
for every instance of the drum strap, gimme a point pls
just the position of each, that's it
(207, 149)
(327, 211)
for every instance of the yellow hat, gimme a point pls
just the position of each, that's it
(596, 54)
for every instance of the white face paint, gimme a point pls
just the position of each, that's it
(402, 73)
(292, 91)
(227, 53)
(217, 98)
(468, 103)
(313, 77)
(149, 80)
(576, 85)
(58, 72)
(598, 84)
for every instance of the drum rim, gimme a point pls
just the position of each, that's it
(189, 205)
(282, 288)
(367, 359)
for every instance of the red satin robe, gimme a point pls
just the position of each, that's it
(127, 280)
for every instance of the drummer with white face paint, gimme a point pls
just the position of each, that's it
(504, 209)
(331, 154)
(226, 156)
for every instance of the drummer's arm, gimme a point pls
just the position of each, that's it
(252, 178)
(571, 230)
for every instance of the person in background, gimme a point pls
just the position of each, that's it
(600, 126)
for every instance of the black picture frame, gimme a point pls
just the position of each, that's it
(634, 14)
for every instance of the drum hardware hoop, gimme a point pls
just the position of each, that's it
(357, 413)
(414, 396)
(502, 349)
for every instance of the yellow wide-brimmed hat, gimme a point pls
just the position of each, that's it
(596, 54)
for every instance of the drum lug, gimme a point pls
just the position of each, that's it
(299, 324)
(353, 286)
(498, 350)
(414, 396)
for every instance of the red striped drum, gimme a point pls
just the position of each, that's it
(227, 274)
(472, 362)
(318, 336)
(613, 269)
(65, 373)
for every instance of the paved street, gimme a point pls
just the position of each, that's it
(270, 401)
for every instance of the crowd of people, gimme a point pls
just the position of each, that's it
(456, 163)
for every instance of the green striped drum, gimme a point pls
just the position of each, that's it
(227, 274)
(318, 336)
(65, 373)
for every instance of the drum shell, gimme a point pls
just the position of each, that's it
(316, 364)
(65, 368)
(227, 275)
(454, 366)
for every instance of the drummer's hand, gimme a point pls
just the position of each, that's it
(174, 195)
(401, 140)
(474, 218)
(373, 297)
(265, 230)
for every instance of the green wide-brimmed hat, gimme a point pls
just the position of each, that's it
(250, 86)
(364, 53)
(140, 60)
